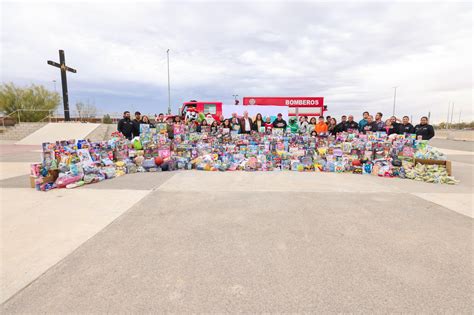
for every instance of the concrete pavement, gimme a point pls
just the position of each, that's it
(237, 241)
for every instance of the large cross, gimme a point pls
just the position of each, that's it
(62, 65)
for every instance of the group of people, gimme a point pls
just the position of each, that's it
(130, 128)
(315, 126)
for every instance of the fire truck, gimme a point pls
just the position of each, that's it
(297, 106)
(213, 108)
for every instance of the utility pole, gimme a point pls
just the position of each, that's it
(394, 99)
(460, 116)
(452, 113)
(447, 119)
(236, 102)
(169, 89)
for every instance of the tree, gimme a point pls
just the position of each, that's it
(106, 119)
(86, 110)
(33, 103)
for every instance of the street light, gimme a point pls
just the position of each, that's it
(54, 81)
(235, 98)
(394, 99)
(169, 93)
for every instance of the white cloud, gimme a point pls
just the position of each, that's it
(350, 53)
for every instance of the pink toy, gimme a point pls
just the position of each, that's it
(62, 182)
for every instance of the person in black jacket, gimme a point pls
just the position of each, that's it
(136, 124)
(341, 127)
(424, 130)
(405, 126)
(395, 122)
(279, 122)
(351, 124)
(125, 126)
(371, 125)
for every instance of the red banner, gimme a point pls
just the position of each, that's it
(299, 101)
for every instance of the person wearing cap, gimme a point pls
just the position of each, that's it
(294, 127)
(136, 124)
(279, 122)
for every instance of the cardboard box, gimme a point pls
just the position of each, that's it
(46, 179)
(437, 162)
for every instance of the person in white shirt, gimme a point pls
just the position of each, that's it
(245, 123)
(304, 124)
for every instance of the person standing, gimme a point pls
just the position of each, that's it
(395, 122)
(341, 127)
(351, 124)
(235, 122)
(293, 124)
(328, 120)
(226, 125)
(312, 123)
(160, 118)
(371, 126)
(136, 124)
(125, 126)
(258, 123)
(145, 120)
(389, 128)
(405, 126)
(363, 121)
(268, 124)
(321, 126)
(169, 127)
(424, 130)
(304, 125)
(379, 122)
(245, 123)
(279, 122)
(332, 127)
(214, 127)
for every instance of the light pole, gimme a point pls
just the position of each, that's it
(235, 98)
(54, 81)
(169, 93)
(394, 99)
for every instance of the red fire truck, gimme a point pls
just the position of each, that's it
(298, 106)
(213, 108)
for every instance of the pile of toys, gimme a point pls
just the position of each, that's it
(70, 164)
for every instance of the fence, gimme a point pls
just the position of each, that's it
(39, 115)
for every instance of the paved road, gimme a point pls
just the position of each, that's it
(265, 242)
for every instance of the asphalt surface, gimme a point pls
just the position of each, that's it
(204, 242)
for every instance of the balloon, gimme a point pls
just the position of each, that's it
(158, 160)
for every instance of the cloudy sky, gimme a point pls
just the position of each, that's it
(351, 53)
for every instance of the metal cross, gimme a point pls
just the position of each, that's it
(62, 65)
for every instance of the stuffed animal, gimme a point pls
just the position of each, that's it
(191, 114)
